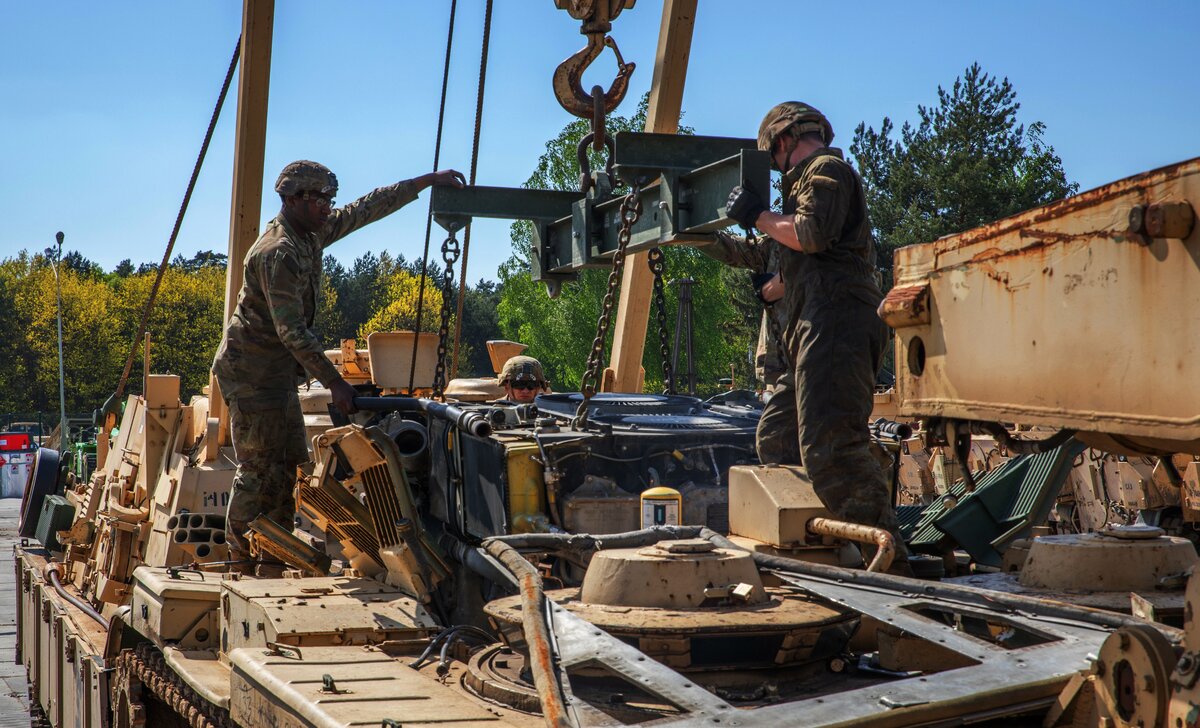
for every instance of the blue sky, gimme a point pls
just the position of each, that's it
(104, 104)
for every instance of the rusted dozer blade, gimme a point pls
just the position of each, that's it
(1077, 315)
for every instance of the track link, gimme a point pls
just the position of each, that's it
(145, 666)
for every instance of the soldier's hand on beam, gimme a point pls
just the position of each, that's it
(451, 177)
(343, 396)
(744, 206)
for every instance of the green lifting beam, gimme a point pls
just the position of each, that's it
(690, 178)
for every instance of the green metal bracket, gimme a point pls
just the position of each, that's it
(572, 232)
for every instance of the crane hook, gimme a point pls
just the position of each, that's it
(568, 78)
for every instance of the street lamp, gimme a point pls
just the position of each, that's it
(63, 434)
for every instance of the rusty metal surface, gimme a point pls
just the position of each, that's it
(1062, 316)
(1166, 603)
(885, 545)
(782, 611)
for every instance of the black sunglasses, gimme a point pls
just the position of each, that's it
(524, 385)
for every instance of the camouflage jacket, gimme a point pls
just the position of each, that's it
(760, 255)
(825, 197)
(269, 344)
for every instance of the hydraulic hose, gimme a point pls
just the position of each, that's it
(885, 545)
(470, 422)
(51, 574)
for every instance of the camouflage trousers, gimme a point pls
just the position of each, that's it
(817, 415)
(269, 443)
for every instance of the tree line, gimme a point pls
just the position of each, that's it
(965, 161)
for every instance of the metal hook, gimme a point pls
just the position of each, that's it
(568, 78)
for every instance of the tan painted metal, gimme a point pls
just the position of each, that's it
(254, 80)
(669, 576)
(773, 504)
(666, 98)
(179, 609)
(318, 611)
(1095, 562)
(501, 350)
(1054, 284)
(280, 689)
(391, 359)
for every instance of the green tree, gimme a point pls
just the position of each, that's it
(89, 354)
(480, 323)
(398, 311)
(965, 163)
(184, 325)
(559, 332)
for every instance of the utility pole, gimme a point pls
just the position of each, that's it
(64, 439)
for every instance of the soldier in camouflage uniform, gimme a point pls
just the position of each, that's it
(762, 256)
(269, 347)
(522, 379)
(835, 339)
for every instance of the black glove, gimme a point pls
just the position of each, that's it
(744, 206)
(758, 280)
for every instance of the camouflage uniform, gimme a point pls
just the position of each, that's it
(269, 349)
(835, 339)
(759, 255)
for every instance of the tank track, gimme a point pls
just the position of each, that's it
(146, 665)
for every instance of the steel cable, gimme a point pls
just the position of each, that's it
(437, 156)
(187, 197)
(466, 248)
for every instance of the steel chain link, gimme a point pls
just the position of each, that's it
(631, 210)
(450, 253)
(656, 260)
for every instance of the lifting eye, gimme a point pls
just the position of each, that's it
(916, 356)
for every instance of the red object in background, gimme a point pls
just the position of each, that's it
(15, 441)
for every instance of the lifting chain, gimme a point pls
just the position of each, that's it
(631, 210)
(655, 259)
(450, 253)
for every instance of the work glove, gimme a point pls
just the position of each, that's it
(760, 281)
(744, 206)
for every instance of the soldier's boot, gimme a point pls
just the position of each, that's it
(240, 559)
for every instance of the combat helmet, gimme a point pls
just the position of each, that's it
(784, 116)
(305, 176)
(522, 369)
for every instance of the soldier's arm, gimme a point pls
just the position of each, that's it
(821, 208)
(375, 205)
(381, 202)
(736, 251)
(279, 275)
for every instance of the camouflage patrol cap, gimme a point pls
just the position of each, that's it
(783, 116)
(305, 176)
(522, 369)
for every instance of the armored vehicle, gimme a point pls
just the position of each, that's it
(607, 558)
